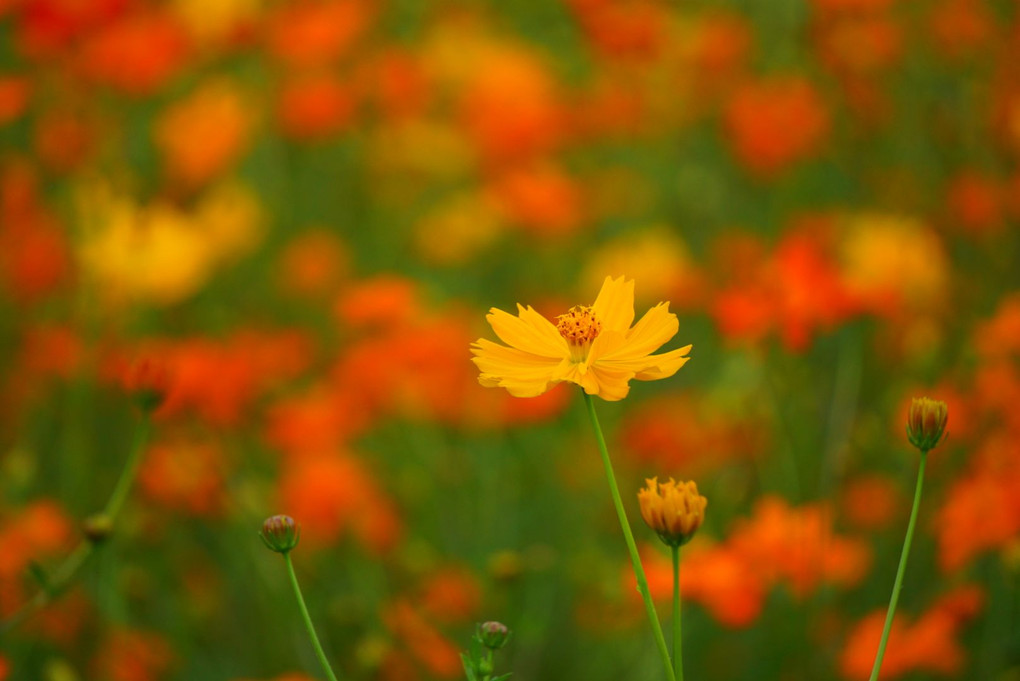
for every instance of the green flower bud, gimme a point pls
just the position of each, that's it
(97, 528)
(280, 533)
(493, 635)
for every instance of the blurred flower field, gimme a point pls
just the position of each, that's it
(300, 212)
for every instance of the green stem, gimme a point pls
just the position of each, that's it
(130, 470)
(308, 620)
(898, 584)
(639, 571)
(678, 663)
(62, 577)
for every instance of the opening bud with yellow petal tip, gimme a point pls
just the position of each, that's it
(280, 533)
(926, 422)
(673, 509)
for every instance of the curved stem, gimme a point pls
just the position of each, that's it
(308, 620)
(62, 577)
(898, 584)
(639, 571)
(678, 657)
(130, 470)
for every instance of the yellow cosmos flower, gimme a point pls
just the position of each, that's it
(595, 347)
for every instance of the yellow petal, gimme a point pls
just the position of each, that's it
(613, 384)
(664, 365)
(495, 359)
(656, 327)
(522, 388)
(614, 306)
(528, 333)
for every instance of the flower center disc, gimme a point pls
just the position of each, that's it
(580, 327)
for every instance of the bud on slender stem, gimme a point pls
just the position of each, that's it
(926, 422)
(673, 509)
(147, 381)
(280, 533)
(97, 528)
(493, 635)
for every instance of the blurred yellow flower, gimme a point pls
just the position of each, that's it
(595, 347)
(661, 257)
(214, 21)
(160, 253)
(890, 259)
(458, 229)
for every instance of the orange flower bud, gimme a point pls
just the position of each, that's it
(673, 509)
(148, 382)
(926, 422)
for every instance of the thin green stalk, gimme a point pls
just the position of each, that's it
(898, 584)
(678, 656)
(639, 571)
(64, 574)
(130, 470)
(308, 620)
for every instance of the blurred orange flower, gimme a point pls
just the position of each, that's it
(202, 135)
(383, 301)
(511, 107)
(798, 546)
(313, 263)
(624, 30)
(64, 138)
(320, 419)
(714, 576)
(975, 202)
(451, 595)
(399, 84)
(138, 54)
(594, 347)
(29, 534)
(960, 26)
(981, 511)
(331, 493)
(133, 655)
(14, 96)
(315, 106)
(184, 476)
(712, 437)
(928, 644)
(315, 33)
(870, 502)
(433, 651)
(45, 28)
(775, 123)
(542, 199)
(34, 253)
(796, 291)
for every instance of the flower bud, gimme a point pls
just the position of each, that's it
(97, 528)
(674, 510)
(147, 381)
(926, 422)
(493, 635)
(280, 533)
